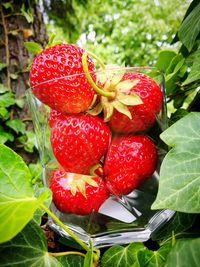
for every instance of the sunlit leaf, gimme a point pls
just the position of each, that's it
(28, 248)
(180, 169)
(190, 28)
(185, 253)
(17, 200)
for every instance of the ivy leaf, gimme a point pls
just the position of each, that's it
(17, 200)
(171, 78)
(180, 169)
(177, 225)
(184, 253)
(17, 125)
(120, 256)
(7, 100)
(2, 66)
(194, 74)
(33, 47)
(39, 212)
(28, 248)
(4, 113)
(190, 28)
(71, 261)
(5, 136)
(164, 59)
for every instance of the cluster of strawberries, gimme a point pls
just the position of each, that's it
(97, 121)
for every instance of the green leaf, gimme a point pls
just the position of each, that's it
(177, 225)
(35, 170)
(2, 66)
(71, 261)
(5, 136)
(177, 115)
(33, 47)
(180, 170)
(164, 59)
(172, 78)
(19, 102)
(27, 13)
(8, 5)
(3, 88)
(4, 113)
(119, 256)
(194, 74)
(13, 76)
(17, 125)
(29, 141)
(17, 201)
(156, 258)
(190, 28)
(38, 191)
(7, 100)
(28, 248)
(185, 253)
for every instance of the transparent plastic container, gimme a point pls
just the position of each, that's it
(119, 220)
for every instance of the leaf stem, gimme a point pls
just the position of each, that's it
(65, 253)
(64, 227)
(90, 80)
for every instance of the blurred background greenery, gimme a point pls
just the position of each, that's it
(128, 31)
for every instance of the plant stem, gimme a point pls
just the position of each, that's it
(57, 254)
(64, 227)
(97, 59)
(90, 80)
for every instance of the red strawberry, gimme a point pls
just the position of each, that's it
(76, 193)
(130, 161)
(143, 115)
(56, 79)
(54, 116)
(79, 141)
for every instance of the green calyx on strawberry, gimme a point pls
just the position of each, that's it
(76, 193)
(130, 101)
(57, 79)
(114, 93)
(79, 141)
(130, 160)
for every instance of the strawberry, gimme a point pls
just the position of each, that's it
(57, 79)
(130, 161)
(54, 116)
(79, 141)
(143, 115)
(77, 193)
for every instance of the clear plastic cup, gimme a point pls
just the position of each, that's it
(120, 220)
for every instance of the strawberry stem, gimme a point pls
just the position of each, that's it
(64, 227)
(90, 80)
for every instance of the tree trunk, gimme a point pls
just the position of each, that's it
(19, 23)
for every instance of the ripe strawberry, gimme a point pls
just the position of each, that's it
(130, 161)
(77, 193)
(54, 116)
(143, 115)
(56, 79)
(79, 141)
